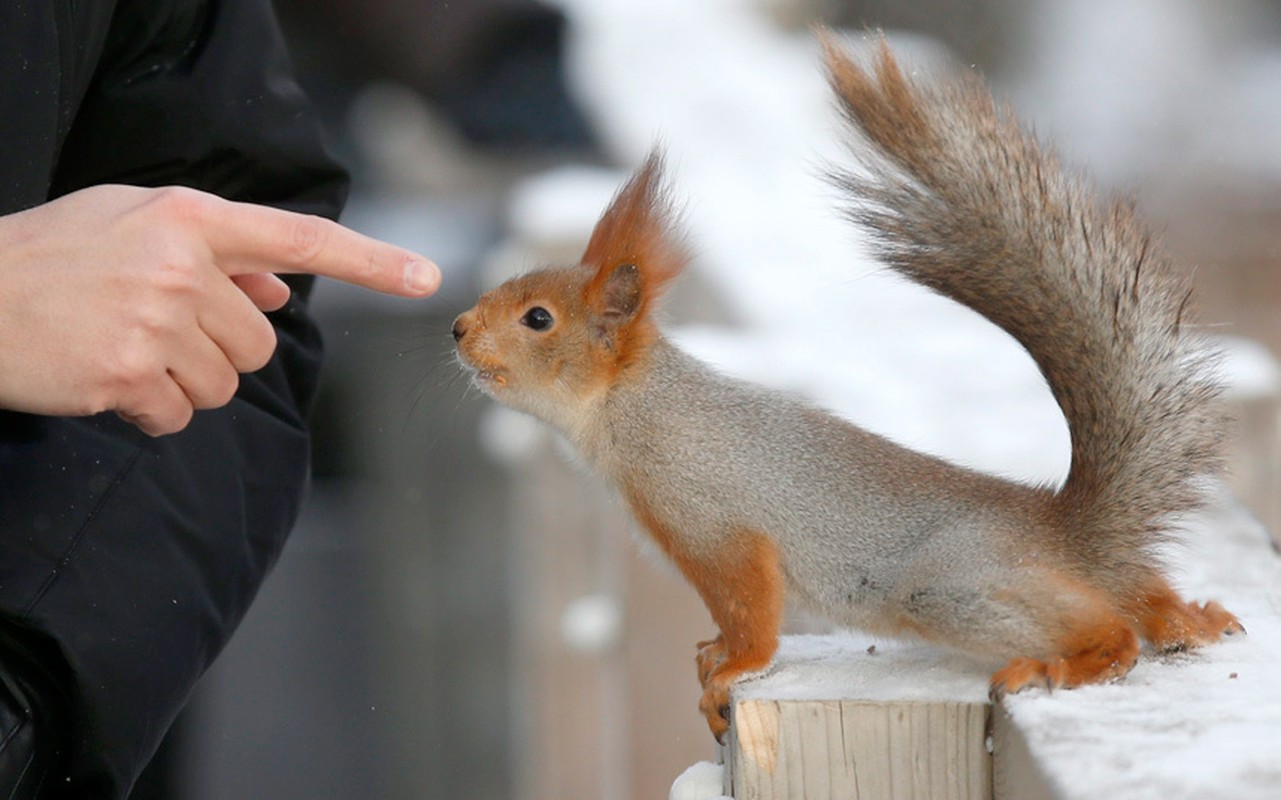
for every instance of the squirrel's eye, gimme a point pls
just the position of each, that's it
(537, 318)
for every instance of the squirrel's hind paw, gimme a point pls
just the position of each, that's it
(1184, 626)
(1101, 654)
(1019, 674)
(1173, 625)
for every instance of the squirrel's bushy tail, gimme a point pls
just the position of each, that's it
(960, 199)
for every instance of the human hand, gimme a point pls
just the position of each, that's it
(149, 302)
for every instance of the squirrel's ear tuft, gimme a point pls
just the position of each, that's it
(636, 248)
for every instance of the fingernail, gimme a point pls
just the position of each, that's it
(422, 277)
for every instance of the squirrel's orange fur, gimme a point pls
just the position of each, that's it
(757, 496)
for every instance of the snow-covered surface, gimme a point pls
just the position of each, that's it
(1204, 724)
(857, 666)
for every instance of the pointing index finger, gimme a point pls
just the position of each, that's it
(247, 238)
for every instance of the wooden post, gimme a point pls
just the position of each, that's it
(858, 749)
(833, 718)
(1016, 775)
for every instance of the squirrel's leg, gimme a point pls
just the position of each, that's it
(740, 580)
(1069, 632)
(1091, 640)
(742, 586)
(1099, 649)
(1171, 624)
(711, 652)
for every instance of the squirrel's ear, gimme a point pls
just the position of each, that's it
(635, 248)
(621, 293)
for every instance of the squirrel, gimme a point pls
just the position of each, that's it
(758, 496)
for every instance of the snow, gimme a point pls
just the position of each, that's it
(1204, 724)
(558, 205)
(1249, 370)
(857, 666)
(592, 623)
(1169, 84)
(702, 781)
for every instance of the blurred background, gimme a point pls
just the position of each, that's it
(460, 615)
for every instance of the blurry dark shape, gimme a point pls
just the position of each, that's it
(33, 710)
(494, 66)
(162, 778)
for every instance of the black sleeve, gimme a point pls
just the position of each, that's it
(134, 558)
(200, 93)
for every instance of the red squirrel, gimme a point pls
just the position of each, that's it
(758, 496)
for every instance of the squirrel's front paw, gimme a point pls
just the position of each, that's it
(715, 707)
(715, 700)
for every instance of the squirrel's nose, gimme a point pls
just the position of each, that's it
(460, 329)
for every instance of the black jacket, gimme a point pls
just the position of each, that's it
(128, 560)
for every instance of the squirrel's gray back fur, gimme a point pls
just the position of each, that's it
(865, 527)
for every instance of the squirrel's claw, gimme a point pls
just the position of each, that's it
(715, 707)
